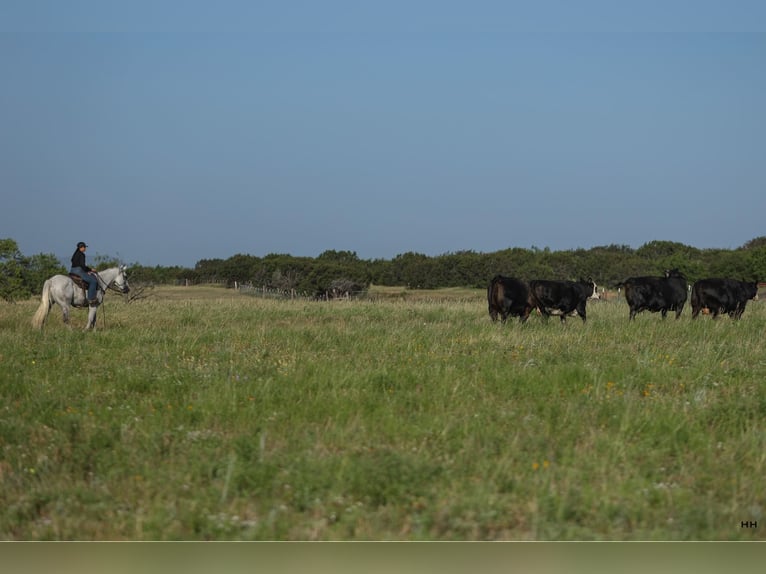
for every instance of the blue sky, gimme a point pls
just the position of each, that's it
(168, 132)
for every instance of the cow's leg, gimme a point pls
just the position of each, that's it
(695, 311)
(581, 311)
(678, 311)
(493, 312)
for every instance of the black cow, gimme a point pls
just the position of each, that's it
(654, 294)
(562, 298)
(722, 296)
(508, 296)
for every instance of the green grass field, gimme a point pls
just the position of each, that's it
(200, 413)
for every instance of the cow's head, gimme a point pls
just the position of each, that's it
(751, 290)
(593, 288)
(674, 273)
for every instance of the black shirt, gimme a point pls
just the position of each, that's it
(78, 260)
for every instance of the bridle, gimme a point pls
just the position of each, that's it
(120, 290)
(105, 287)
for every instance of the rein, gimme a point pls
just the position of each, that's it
(104, 287)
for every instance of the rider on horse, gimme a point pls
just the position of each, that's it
(86, 273)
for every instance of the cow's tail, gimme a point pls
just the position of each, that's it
(45, 305)
(492, 287)
(695, 296)
(625, 287)
(532, 299)
(492, 301)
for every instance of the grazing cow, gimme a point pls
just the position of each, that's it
(654, 294)
(508, 296)
(562, 298)
(722, 296)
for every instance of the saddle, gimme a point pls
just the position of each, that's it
(77, 280)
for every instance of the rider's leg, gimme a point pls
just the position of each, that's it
(92, 287)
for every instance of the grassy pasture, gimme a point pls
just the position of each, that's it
(200, 413)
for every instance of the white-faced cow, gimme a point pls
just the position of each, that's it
(654, 294)
(722, 296)
(508, 296)
(562, 298)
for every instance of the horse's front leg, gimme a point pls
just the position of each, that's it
(91, 324)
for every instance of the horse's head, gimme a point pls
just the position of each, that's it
(121, 280)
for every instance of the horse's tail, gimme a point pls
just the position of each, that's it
(45, 305)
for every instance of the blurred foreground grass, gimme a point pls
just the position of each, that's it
(202, 414)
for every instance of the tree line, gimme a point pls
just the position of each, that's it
(22, 276)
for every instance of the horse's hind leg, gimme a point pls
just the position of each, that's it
(65, 315)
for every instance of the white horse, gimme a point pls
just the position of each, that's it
(62, 289)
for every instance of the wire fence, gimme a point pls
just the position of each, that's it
(270, 292)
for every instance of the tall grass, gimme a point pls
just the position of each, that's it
(225, 417)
